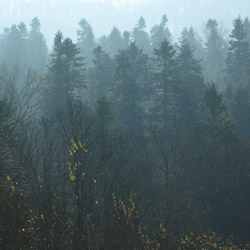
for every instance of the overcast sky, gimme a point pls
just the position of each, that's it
(104, 14)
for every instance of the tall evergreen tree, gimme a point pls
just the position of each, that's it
(190, 84)
(215, 121)
(38, 51)
(66, 74)
(86, 41)
(215, 53)
(114, 42)
(126, 39)
(15, 47)
(165, 78)
(100, 76)
(160, 32)
(194, 40)
(247, 28)
(140, 36)
(131, 73)
(238, 52)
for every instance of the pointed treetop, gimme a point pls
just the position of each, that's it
(164, 21)
(238, 32)
(35, 24)
(141, 23)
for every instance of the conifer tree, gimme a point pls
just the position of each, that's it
(190, 83)
(160, 32)
(86, 41)
(66, 74)
(114, 42)
(100, 76)
(130, 85)
(15, 47)
(215, 121)
(140, 36)
(194, 40)
(237, 54)
(165, 79)
(38, 51)
(215, 53)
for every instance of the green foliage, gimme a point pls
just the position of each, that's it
(165, 78)
(238, 53)
(214, 118)
(66, 74)
(86, 41)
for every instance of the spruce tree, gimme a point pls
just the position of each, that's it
(160, 32)
(238, 53)
(114, 42)
(86, 41)
(215, 53)
(214, 119)
(165, 79)
(100, 76)
(66, 74)
(140, 36)
(189, 87)
(130, 85)
(194, 40)
(38, 51)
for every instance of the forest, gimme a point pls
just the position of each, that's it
(132, 140)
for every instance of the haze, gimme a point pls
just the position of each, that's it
(104, 14)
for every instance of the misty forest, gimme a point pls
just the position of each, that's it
(131, 140)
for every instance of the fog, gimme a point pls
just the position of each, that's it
(125, 125)
(104, 14)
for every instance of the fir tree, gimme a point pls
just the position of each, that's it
(86, 41)
(38, 51)
(66, 74)
(130, 86)
(140, 36)
(188, 90)
(160, 32)
(238, 53)
(165, 78)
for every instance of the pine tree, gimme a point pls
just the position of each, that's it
(126, 39)
(86, 41)
(190, 84)
(160, 32)
(100, 76)
(247, 28)
(15, 47)
(130, 85)
(114, 42)
(238, 53)
(194, 40)
(165, 78)
(66, 74)
(215, 53)
(38, 51)
(215, 121)
(140, 36)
